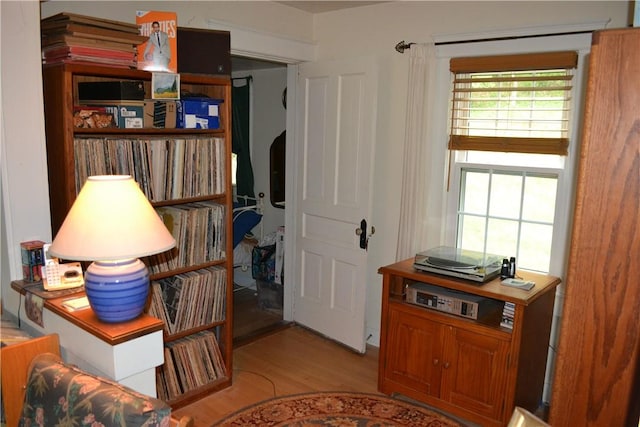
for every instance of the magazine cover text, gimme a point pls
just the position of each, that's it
(159, 52)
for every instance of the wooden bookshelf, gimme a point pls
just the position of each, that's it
(205, 201)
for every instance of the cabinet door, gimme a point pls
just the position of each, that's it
(414, 352)
(474, 371)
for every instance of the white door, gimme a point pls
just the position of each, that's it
(335, 134)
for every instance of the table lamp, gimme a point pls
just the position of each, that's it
(112, 223)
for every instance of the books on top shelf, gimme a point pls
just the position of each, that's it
(73, 38)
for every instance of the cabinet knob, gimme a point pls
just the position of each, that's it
(435, 362)
(446, 365)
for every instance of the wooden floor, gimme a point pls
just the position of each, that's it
(293, 360)
(249, 319)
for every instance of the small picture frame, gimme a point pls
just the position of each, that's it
(165, 86)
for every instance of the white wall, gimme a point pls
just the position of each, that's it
(25, 194)
(372, 30)
(375, 30)
(260, 16)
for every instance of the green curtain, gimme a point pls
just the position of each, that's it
(240, 138)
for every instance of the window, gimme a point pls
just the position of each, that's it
(509, 135)
(509, 213)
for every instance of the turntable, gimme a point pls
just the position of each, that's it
(456, 262)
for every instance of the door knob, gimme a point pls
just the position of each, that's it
(364, 240)
(362, 233)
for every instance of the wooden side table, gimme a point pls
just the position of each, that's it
(476, 369)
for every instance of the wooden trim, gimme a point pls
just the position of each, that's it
(111, 333)
(528, 61)
(524, 78)
(597, 372)
(558, 146)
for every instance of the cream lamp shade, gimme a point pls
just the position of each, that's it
(111, 219)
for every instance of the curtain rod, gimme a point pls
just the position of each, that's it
(402, 45)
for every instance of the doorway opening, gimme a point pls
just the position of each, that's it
(259, 86)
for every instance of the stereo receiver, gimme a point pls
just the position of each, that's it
(448, 301)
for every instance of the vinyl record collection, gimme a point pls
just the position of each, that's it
(165, 168)
(172, 299)
(190, 363)
(199, 230)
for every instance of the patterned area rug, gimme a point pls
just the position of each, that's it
(336, 409)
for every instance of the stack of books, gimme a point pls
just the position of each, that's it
(508, 313)
(71, 38)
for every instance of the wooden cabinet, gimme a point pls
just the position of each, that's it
(453, 364)
(597, 376)
(475, 369)
(185, 174)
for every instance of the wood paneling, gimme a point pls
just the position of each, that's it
(597, 373)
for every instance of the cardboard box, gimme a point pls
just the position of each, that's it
(198, 113)
(130, 116)
(127, 114)
(160, 114)
(111, 90)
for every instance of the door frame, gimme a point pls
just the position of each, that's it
(256, 45)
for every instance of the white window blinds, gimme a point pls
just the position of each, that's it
(512, 103)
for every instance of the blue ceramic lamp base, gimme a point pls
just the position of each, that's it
(117, 290)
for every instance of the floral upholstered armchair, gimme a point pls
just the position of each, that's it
(63, 395)
(39, 389)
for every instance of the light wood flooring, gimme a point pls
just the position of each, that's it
(292, 360)
(249, 320)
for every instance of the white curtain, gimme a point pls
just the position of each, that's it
(413, 202)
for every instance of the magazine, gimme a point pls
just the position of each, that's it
(159, 52)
